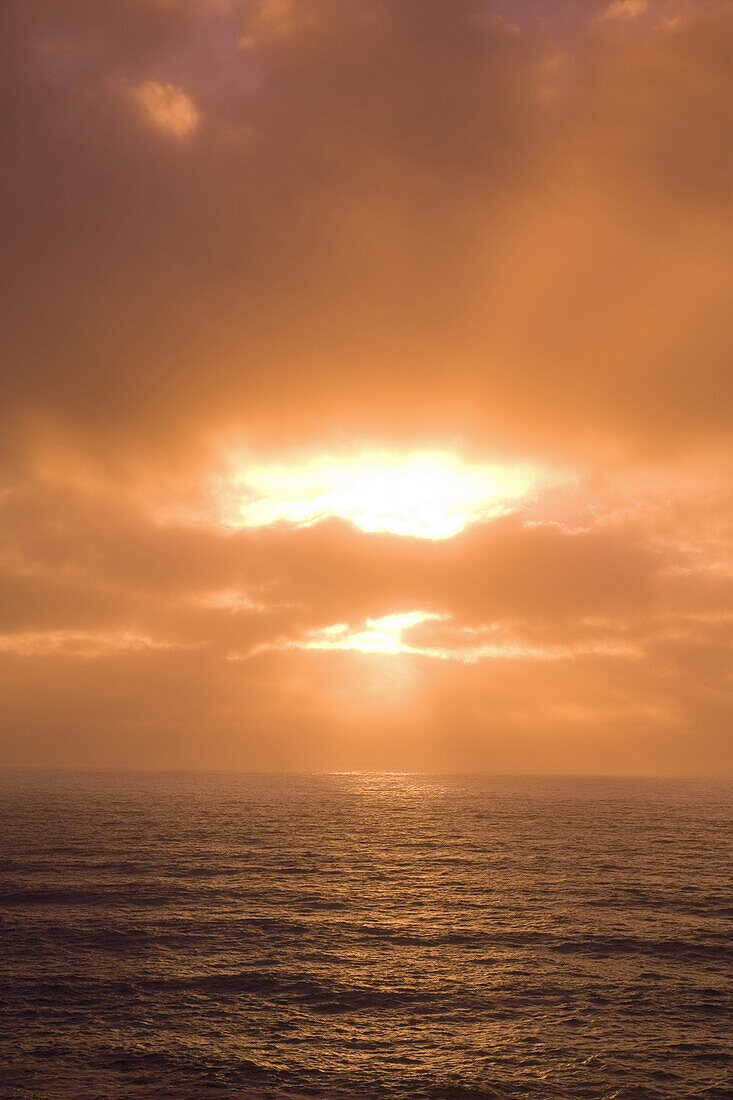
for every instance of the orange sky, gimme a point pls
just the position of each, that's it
(366, 399)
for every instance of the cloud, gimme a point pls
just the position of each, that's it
(625, 9)
(558, 257)
(395, 634)
(402, 229)
(165, 108)
(271, 21)
(76, 643)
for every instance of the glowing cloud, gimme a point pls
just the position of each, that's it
(382, 635)
(274, 20)
(165, 108)
(81, 643)
(386, 635)
(422, 495)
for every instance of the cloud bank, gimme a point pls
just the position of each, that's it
(295, 234)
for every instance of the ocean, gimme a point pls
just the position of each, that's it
(351, 935)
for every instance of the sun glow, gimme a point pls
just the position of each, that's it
(377, 635)
(422, 495)
(392, 635)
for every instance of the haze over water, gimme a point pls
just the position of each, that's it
(364, 935)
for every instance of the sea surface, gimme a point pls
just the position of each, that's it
(189, 936)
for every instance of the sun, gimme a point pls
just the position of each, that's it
(423, 494)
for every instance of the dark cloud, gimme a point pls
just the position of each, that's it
(377, 196)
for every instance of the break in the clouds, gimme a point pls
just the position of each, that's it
(418, 494)
(366, 392)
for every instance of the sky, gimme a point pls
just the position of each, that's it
(366, 399)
